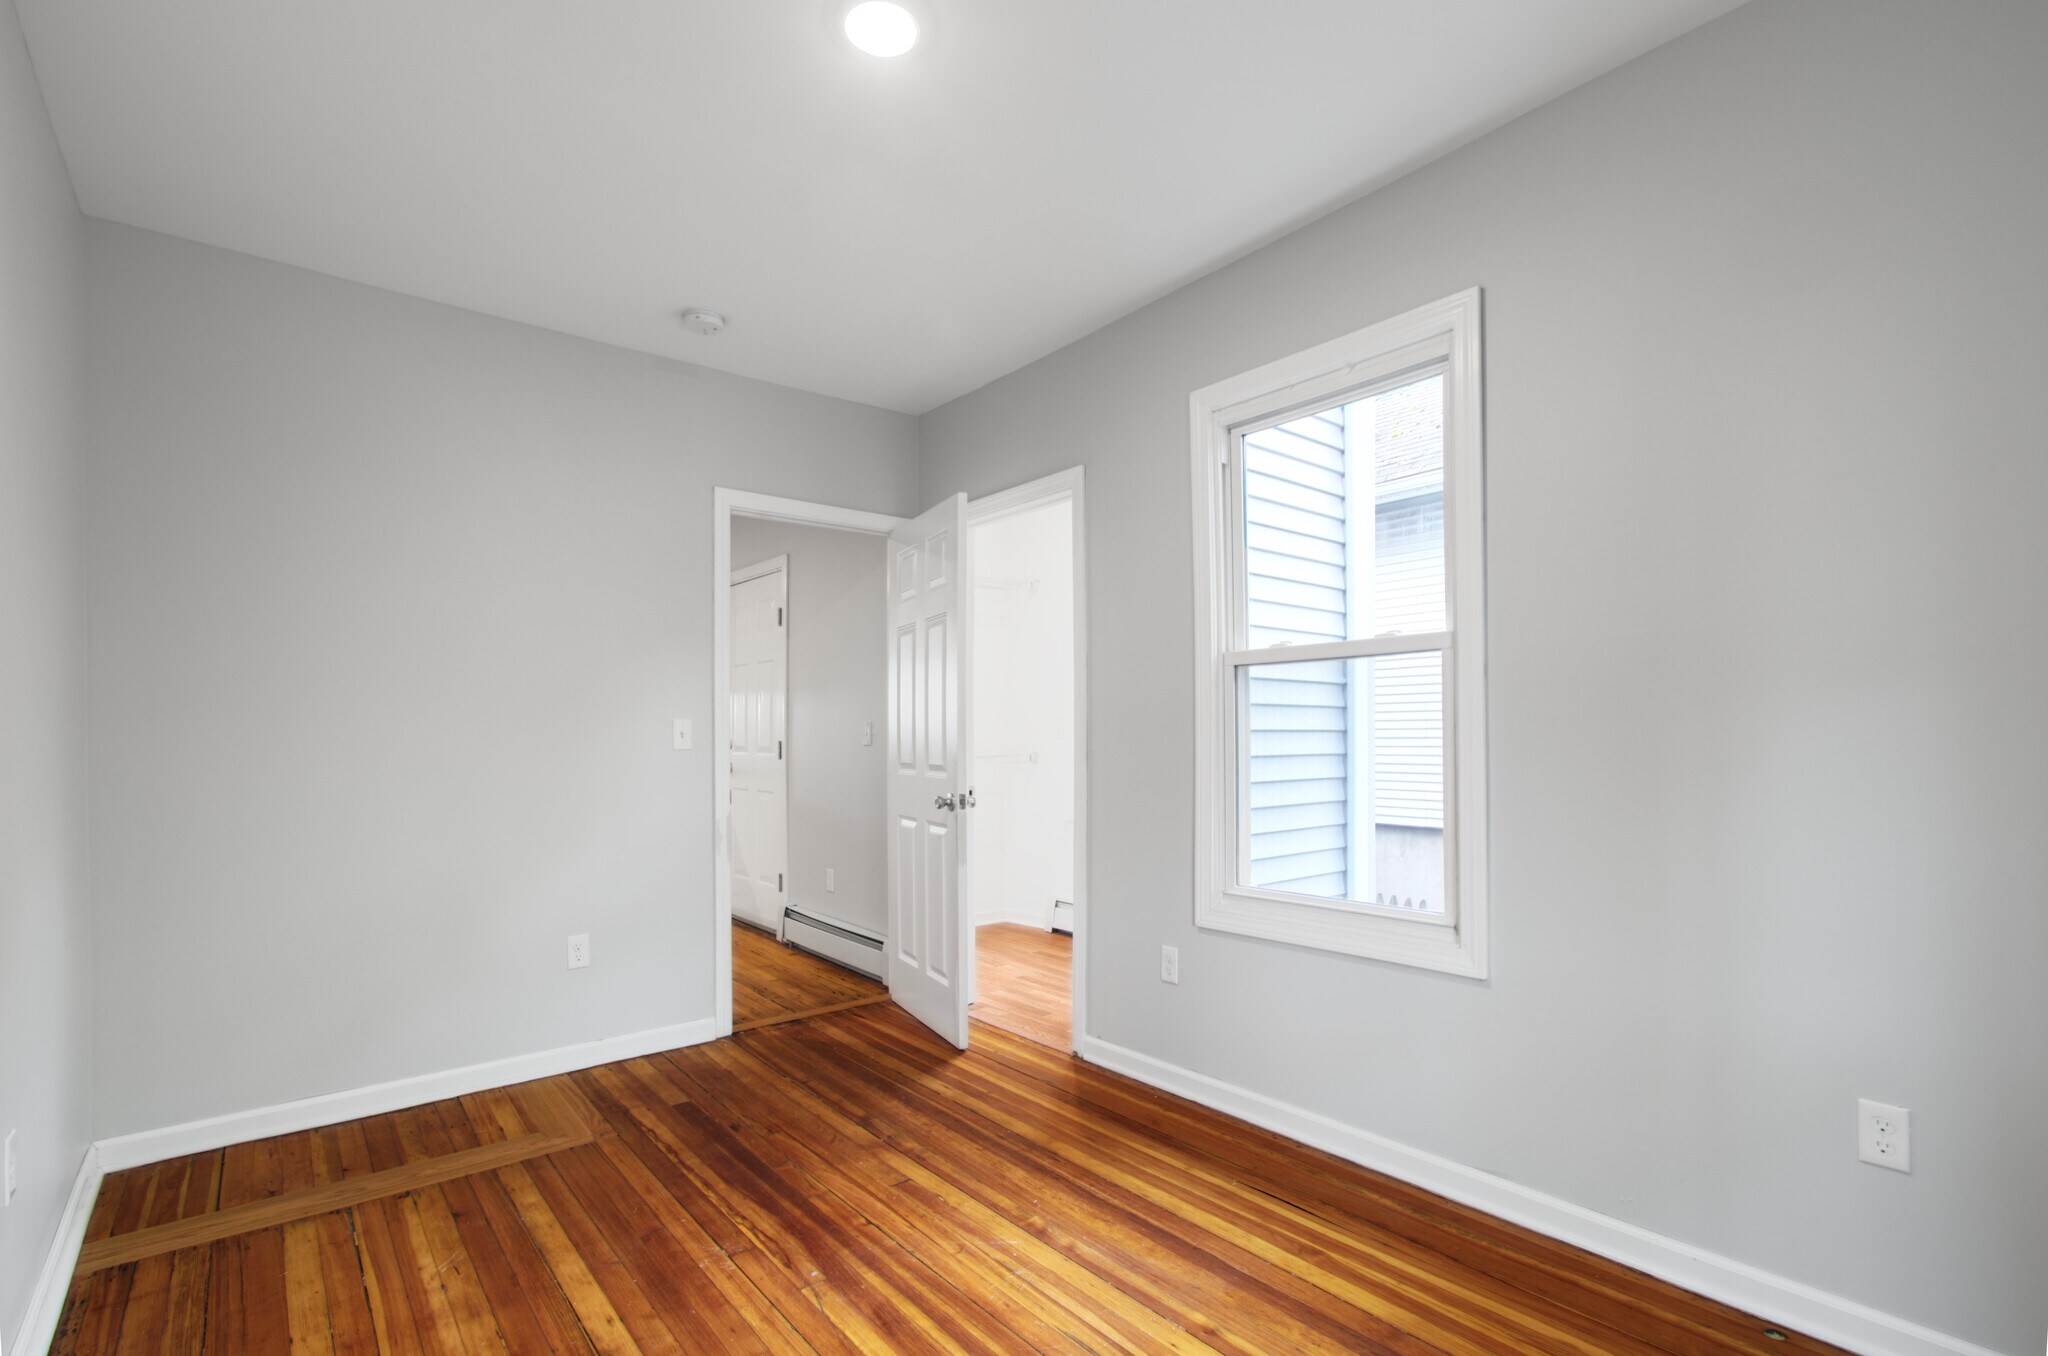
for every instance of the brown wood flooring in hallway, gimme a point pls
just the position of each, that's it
(844, 1184)
(776, 983)
(1024, 982)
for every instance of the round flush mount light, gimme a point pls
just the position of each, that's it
(703, 322)
(881, 28)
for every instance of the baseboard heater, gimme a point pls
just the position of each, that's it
(835, 942)
(1063, 916)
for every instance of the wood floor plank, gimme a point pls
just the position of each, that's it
(1024, 982)
(642, 1322)
(595, 1314)
(911, 1204)
(422, 1171)
(184, 1325)
(1442, 1305)
(305, 1290)
(836, 1185)
(341, 1268)
(777, 983)
(488, 1204)
(1628, 1301)
(1235, 1308)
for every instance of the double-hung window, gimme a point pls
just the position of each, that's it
(1340, 632)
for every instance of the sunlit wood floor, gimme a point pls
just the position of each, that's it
(776, 983)
(842, 1184)
(1024, 982)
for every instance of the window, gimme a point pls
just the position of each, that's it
(1341, 774)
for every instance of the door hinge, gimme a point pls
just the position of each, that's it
(778, 882)
(778, 616)
(778, 748)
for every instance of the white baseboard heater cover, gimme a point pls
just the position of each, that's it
(836, 942)
(1063, 916)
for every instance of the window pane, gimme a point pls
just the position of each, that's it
(1344, 520)
(1343, 779)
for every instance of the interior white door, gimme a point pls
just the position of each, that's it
(760, 770)
(931, 594)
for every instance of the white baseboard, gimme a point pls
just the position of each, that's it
(46, 1301)
(1778, 1299)
(1030, 918)
(151, 1146)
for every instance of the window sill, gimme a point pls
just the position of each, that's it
(1419, 942)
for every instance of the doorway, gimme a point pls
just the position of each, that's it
(1025, 702)
(924, 741)
(806, 693)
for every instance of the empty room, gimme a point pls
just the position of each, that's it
(821, 676)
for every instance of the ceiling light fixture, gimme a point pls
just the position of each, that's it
(880, 28)
(703, 322)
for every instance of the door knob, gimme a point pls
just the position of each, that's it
(944, 802)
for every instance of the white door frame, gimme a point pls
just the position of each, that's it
(724, 504)
(744, 574)
(1063, 485)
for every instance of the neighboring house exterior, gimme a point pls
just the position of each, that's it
(1344, 537)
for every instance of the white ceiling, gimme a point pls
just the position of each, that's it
(896, 232)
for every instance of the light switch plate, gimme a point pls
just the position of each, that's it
(7, 1173)
(686, 737)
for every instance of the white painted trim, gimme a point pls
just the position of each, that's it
(1776, 1299)
(1040, 919)
(803, 511)
(1071, 485)
(53, 1283)
(152, 1146)
(1446, 335)
(724, 504)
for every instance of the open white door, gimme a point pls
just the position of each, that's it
(931, 944)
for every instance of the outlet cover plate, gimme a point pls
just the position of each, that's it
(1884, 1135)
(579, 951)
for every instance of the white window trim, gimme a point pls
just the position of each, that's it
(1444, 334)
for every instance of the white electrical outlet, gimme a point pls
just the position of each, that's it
(1169, 964)
(7, 1174)
(831, 880)
(686, 737)
(1884, 1135)
(579, 951)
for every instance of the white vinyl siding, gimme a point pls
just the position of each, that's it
(1295, 524)
(1407, 697)
(1302, 762)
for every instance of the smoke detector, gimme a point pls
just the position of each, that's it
(703, 322)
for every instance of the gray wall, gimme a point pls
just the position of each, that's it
(838, 679)
(391, 606)
(1764, 320)
(45, 937)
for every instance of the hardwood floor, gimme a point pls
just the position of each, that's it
(776, 983)
(847, 1183)
(1024, 982)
